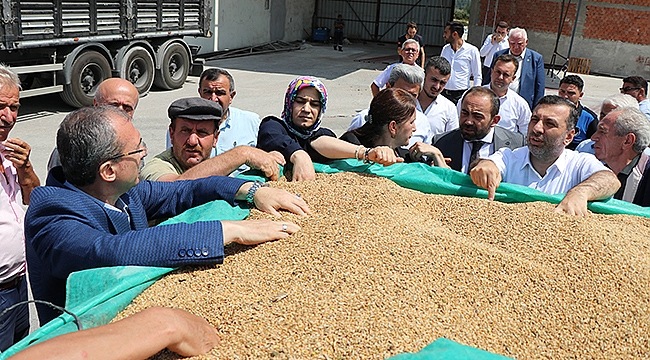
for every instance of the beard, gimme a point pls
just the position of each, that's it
(550, 149)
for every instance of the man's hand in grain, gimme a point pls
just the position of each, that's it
(574, 203)
(253, 232)
(270, 200)
(486, 175)
(266, 162)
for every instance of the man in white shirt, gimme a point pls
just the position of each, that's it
(17, 179)
(494, 42)
(409, 78)
(621, 138)
(514, 110)
(410, 51)
(465, 62)
(546, 165)
(440, 112)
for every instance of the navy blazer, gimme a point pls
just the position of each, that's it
(532, 79)
(67, 230)
(451, 144)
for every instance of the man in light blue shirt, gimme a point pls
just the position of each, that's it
(237, 127)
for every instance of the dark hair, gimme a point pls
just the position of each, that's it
(573, 80)
(637, 81)
(213, 74)
(556, 100)
(487, 92)
(503, 24)
(411, 24)
(86, 138)
(507, 58)
(440, 63)
(456, 27)
(391, 104)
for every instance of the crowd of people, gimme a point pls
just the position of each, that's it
(486, 118)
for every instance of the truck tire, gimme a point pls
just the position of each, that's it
(174, 67)
(137, 67)
(89, 69)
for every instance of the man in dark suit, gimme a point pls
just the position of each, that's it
(96, 214)
(530, 78)
(478, 136)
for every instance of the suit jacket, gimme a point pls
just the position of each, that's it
(67, 230)
(451, 144)
(532, 79)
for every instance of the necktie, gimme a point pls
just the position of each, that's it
(476, 146)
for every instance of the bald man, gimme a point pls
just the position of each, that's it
(117, 92)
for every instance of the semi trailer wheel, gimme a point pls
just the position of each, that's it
(89, 69)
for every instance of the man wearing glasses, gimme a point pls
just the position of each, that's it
(97, 213)
(410, 51)
(637, 87)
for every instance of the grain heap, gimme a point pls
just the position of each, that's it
(378, 270)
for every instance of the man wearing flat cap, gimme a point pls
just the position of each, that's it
(97, 212)
(194, 130)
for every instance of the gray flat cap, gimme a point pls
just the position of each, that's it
(195, 108)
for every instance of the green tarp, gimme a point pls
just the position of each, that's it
(97, 295)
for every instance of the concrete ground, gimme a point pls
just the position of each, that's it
(261, 81)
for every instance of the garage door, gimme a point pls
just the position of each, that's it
(385, 21)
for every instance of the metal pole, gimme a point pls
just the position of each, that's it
(575, 26)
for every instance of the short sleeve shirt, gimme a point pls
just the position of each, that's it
(162, 164)
(569, 170)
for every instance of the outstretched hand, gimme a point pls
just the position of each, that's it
(486, 175)
(270, 200)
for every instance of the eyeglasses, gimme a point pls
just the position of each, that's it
(628, 89)
(409, 50)
(142, 147)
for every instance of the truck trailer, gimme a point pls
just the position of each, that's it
(71, 46)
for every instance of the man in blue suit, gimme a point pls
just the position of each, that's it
(95, 213)
(530, 78)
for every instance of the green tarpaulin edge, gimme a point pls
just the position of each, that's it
(97, 295)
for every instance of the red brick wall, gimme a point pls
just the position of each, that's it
(602, 22)
(630, 26)
(532, 15)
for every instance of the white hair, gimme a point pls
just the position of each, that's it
(8, 77)
(411, 41)
(620, 101)
(518, 32)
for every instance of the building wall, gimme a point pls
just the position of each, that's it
(242, 23)
(614, 34)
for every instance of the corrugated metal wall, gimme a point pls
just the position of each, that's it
(385, 21)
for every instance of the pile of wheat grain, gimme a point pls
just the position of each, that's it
(378, 270)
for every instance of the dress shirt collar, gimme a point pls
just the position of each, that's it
(522, 55)
(560, 163)
(487, 139)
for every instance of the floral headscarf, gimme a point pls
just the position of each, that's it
(296, 85)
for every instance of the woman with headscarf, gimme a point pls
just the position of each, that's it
(391, 122)
(299, 137)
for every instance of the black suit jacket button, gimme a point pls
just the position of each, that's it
(182, 253)
(190, 252)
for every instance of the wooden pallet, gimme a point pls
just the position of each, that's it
(579, 65)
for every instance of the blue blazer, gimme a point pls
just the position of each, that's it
(67, 230)
(532, 80)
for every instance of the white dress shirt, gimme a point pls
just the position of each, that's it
(441, 114)
(12, 237)
(465, 62)
(515, 84)
(486, 150)
(489, 49)
(569, 170)
(422, 129)
(382, 79)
